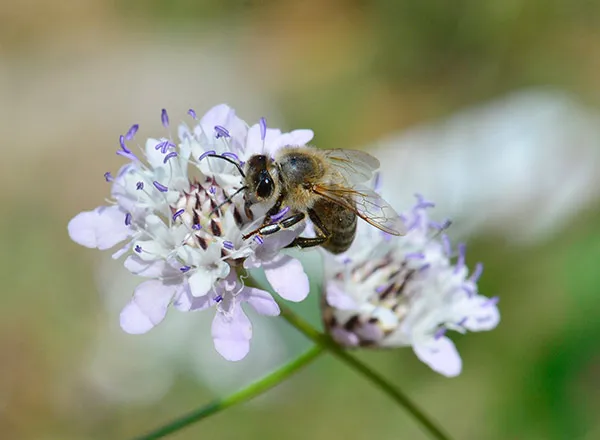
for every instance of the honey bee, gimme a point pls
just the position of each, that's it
(327, 186)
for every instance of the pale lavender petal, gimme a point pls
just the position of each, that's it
(261, 301)
(337, 298)
(294, 139)
(201, 282)
(231, 334)
(344, 338)
(287, 277)
(149, 269)
(441, 355)
(101, 228)
(484, 316)
(148, 307)
(155, 157)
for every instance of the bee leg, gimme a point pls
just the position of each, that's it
(272, 228)
(322, 234)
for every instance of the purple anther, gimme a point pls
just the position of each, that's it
(424, 267)
(377, 183)
(169, 156)
(127, 219)
(178, 213)
(468, 290)
(476, 273)
(462, 322)
(347, 260)
(221, 131)
(491, 302)
(212, 189)
(415, 256)
(139, 185)
(164, 117)
(263, 128)
(138, 248)
(159, 186)
(280, 214)
(437, 226)
(192, 113)
(207, 153)
(131, 132)
(107, 176)
(446, 244)
(128, 154)
(228, 245)
(184, 269)
(258, 239)
(439, 333)
(164, 146)
(231, 156)
(422, 203)
(196, 226)
(380, 289)
(123, 146)
(218, 298)
(462, 249)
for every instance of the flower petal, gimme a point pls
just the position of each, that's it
(201, 282)
(441, 355)
(232, 333)
(148, 307)
(261, 301)
(337, 298)
(101, 228)
(287, 277)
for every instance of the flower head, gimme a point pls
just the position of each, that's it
(175, 209)
(390, 292)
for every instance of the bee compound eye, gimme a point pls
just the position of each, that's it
(264, 187)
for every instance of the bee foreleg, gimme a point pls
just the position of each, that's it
(272, 228)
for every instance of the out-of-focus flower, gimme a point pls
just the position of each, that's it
(523, 165)
(389, 292)
(184, 229)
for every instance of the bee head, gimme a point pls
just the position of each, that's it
(259, 181)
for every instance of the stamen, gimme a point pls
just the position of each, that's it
(131, 132)
(424, 267)
(178, 213)
(446, 244)
(439, 333)
(192, 113)
(122, 143)
(380, 289)
(184, 269)
(164, 146)
(468, 289)
(212, 189)
(127, 219)
(107, 176)
(263, 128)
(128, 154)
(218, 299)
(196, 227)
(258, 239)
(159, 186)
(207, 153)
(138, 248)
(491, 302)
(139, 185)
(169, 156)
(347, 260)
(228, 245)
(221, 131)
(422, 203)
(462, 249)
(415, 256)
(477, 272)
(462, 322)
(164, 117)
(280, 214)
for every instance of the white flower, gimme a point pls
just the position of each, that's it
(404, 291)
(184, 232)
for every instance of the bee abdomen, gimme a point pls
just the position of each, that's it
(343, 231)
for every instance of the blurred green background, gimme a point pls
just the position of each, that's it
(74, 75)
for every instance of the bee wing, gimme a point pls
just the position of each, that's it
(366, 204)
(355, 166)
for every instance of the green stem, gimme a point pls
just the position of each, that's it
(398, 396)
(243, 395)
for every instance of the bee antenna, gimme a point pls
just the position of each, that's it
(229, 199)
(237, 165)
